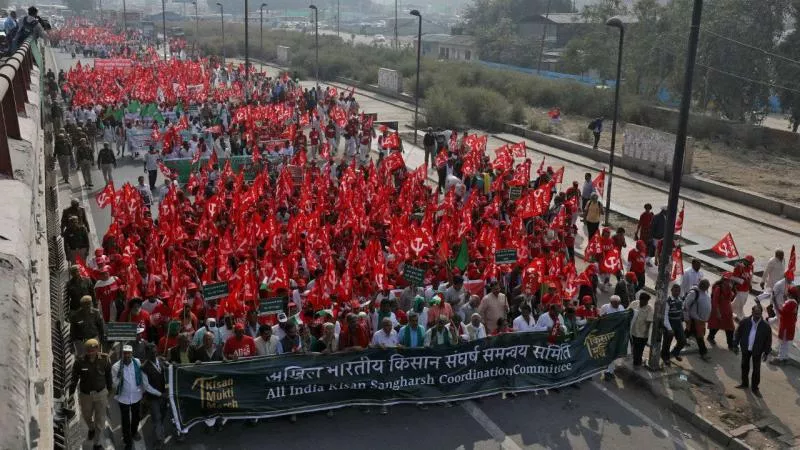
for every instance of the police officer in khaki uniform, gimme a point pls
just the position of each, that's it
(92, 373)
(86, 323)
(85, 157)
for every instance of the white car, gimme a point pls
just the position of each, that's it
(379, 39)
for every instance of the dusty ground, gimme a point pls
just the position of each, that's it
(759, 170)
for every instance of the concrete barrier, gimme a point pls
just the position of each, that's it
(26, 409)
(390, 80)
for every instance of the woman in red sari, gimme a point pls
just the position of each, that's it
(722, 295)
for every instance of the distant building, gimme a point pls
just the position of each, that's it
(558, 29)
(447, 46)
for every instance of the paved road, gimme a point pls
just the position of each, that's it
(595, 416)
(607, 415)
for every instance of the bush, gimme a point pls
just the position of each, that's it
(484, 108)
(442, 109)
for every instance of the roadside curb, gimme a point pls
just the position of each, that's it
(651, 382)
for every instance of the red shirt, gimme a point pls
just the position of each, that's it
(645, 220)
(241, 347)
(142, 320)
(746, 274)
(106, 295)
(166, 343)
(586, 313)
(313, 136)
(637, 261)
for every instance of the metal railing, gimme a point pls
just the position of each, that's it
(15, 80)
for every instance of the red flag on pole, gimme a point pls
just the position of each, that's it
(791, 266)
(106, 196)
(677, 264)
(599, 183)
(612, 262)
(679, 221)
(558, 176)
(726, 247)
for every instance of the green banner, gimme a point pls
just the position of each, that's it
(214, 291)
(120, 331)
(273, 386)
(183, 167)
(414, 275)
(505, 256)
(272, 305)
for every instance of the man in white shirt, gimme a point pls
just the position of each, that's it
(475, 328)
(266, 343)
(386, 337)
(524, 322)
(613, 306)
(130, 383)
(773, 273)
(691, 277)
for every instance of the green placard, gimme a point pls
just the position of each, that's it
(120, 331)
(414, 275)
(505, 256)
(183, 167)
(215, 290)
(272, 305)
(515, 192)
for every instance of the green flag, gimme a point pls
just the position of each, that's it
(149, 110)
(158, 118)
(462, 259)
(133, 106)
(179, 108)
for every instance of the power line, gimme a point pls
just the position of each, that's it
(741, 77)
(752, 47)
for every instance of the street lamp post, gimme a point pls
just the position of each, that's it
(164, 25)
(263, 5)
(316, 39)
(416, 90)
(338, 15)
(675, 184)
(124, 20)
(246, 52)
(614, 22)
(196, 25)
(396, 41)
(222, 25)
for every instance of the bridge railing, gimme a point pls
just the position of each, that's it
(15, 80)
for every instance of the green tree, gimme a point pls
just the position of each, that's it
(787, 72)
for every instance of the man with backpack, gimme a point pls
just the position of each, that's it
(30, 25)
(697, 304)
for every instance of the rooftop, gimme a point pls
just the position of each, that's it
(459, 39)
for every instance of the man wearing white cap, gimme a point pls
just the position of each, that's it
(613, 306)
(129, 384)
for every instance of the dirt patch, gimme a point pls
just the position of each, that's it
(729, 411)
(761, 170)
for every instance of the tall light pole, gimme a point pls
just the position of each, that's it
(196, 24)
(316, 39)
(222, 25)
(614, 22)
(419, 56)
(662, 281)
(338, 15)
(263, 5)
(246, 51)
(164, 25)
(396, 41)
(544, 36)
(124, 20)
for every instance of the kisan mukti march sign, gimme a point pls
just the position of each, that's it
(299, 383)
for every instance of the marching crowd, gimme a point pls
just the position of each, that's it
(335, 239)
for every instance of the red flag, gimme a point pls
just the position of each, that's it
(677, 264)
(679, 221)
(540, 170)
(106, 196)
(504, 160)
(558, 176)
(612, 263)
(195, 157)
(441, 159)
(165, 170)
(518, 150)
(791, 266)
(392, 142)
(82, 269)
(726, 247)
(599, 183)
